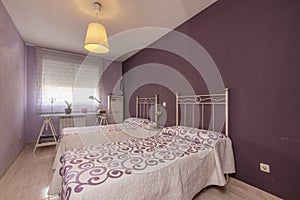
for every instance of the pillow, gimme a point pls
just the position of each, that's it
(137, 121)
(193, 134)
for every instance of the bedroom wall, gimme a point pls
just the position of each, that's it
(34, 122)
(12, 91)
(255, 45)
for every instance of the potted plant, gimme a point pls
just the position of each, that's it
(68, 110)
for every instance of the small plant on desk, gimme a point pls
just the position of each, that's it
(68, 110)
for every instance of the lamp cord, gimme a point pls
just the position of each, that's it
(97, 11)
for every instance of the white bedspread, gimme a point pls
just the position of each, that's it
(75, 137)
(90, 136)
(160, 167)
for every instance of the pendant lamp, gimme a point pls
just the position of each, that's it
(96, 36)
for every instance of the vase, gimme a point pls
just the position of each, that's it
(68, 110)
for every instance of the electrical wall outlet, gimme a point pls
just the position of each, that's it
(264, 167)
(164, 104)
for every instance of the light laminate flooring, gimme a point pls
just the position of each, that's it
(28, 178)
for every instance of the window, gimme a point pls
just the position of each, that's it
(64, 76)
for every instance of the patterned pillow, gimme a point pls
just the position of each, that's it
(193, 134)
(137, 121)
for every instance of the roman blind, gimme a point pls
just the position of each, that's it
(63, 76)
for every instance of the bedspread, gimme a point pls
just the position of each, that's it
(88, 136)
(92, 135)
(157, 167)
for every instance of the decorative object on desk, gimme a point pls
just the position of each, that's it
(52, 100)
(68, 110)
(94, 98)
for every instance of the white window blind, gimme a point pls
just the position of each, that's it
(65, 76)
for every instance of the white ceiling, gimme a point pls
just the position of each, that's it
(61, 24)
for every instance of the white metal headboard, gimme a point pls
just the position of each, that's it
(143, 105)
(202, 100)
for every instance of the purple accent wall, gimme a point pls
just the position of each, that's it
(113, 71)
(255, 45)
(12, 91)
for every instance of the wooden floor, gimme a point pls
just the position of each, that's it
(28, 178)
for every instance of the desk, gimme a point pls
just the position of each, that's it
(67, 115)
(49, 123)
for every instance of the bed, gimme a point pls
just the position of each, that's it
(174, 164)
(75, 137)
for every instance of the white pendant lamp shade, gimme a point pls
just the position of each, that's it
(96, 38)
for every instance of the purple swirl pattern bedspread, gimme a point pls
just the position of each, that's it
(70, 137)
(88, 172)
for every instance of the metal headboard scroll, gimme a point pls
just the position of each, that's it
(202, 100)
(143, 105)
